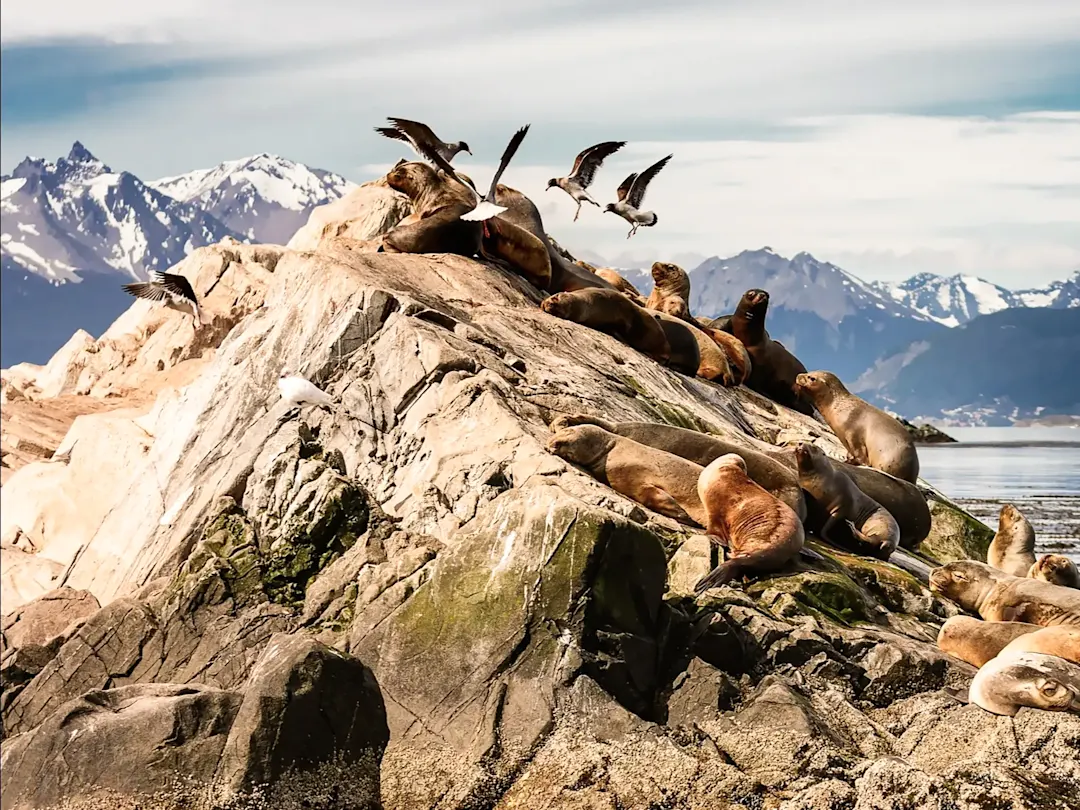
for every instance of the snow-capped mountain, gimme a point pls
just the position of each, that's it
(955, 300)
(78, 215)
(264, 197)
(830, 318)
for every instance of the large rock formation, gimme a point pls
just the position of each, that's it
(532, 633)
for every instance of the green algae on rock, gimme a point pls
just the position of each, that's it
(954, 534)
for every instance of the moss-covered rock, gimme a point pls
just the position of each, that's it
(832, 595)
(954, 534)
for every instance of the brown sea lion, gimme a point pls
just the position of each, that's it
(761, 532)
(1056, 569)
(1007, 683)
(773, 368)
(702, 449)
(844, 501)
(871, 436)
(737, 356)
(903, 499)
(1013, 548)
(669, 281)
(527, 255)
(661, 481)
(693, 349)
(435, 226)
(611, 312)
(615, 279)
(1062, 641)
(976, 641)
(1000, 597)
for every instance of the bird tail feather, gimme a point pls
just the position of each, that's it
(484, 210)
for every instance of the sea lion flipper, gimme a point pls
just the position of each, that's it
(722, 574)
(660, 501)
(826, 530)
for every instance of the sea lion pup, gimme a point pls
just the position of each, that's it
(1013, 548)
(871, 436)
(976, 641)
(438, 203)
(661, 481)
(870, 521)
(611, 312)
(702, 449)
(615, 279)
(1056, 569)
(761, 532)
(737, 356)
(1007, 683)
(774, 368)
(694, 352)
(999, 597)
(1062, 641)
(669, 281)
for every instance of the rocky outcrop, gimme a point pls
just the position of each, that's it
(926, 434)
(532, 634)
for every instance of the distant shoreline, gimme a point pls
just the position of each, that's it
(961, 444)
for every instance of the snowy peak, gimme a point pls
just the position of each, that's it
(1059, 295)
(262, 195)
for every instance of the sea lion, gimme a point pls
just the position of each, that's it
(661, 481)
(1000, 597)
(1007, 683)
(773, 368)
(1056, 569)
(1062, 641)
(761, 532)
(871, 436)
(615, 279)
(526, 254)
(903, 499)
(695, 352)
(702, 449)
(611, 312)
(438, 203)
(1013, 548)
(737, 356)
(976, 641)
(670, 281)
(844, 501)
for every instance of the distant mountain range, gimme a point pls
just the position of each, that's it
(74, 230)
(76, 223)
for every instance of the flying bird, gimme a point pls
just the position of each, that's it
(581, 176)
(632, 194)
(171, 289)
(414, 133)
(486, 207)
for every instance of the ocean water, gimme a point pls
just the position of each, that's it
(1037, 469)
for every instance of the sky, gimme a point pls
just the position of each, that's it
(889, 138)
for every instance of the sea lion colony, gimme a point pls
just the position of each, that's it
(756, 500)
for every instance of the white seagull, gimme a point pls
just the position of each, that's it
(171, 289)
(297, 391)
(581, 176)
(632, 194)
(486, 207)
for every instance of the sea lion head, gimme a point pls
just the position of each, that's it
(1009, 516)
(1055, 568)
(720, 467)
(808, 455)
(582, 444)
(963, 581)
(814, 383)
(676, 307)
(556, 304)
(1008, 682)
(411, 178)
(754, 304)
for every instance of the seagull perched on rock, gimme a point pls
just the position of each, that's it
(414, 133)
(581, 176)
(171, 289)
(632, 194)
(297, 391)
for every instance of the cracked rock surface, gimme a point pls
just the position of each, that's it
(406, 602)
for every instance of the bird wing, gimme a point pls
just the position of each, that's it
(390, 132)
(418, 135)
(589, 161)
(145, 290)
(624, 189)
(175, 284)
(508, 155)
(641, 182)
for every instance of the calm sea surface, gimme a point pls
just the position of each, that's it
(1037, 469)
